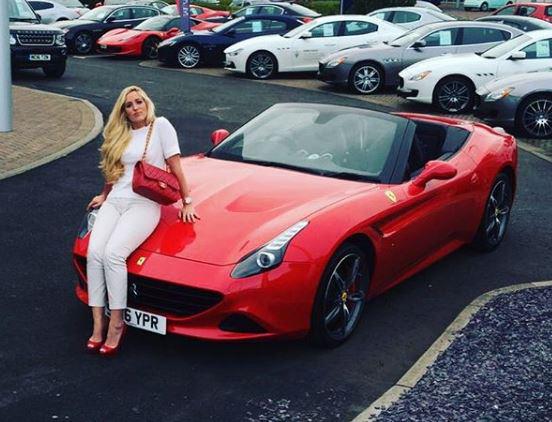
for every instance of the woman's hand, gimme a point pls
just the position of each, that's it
(97, 201)
(187, 214)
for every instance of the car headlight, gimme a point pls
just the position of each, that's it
(65, 30)
(268, 256)
(497, 95)
(60, 39)
(87, 223)
(235, 52)
(421, 76)
(336, 62)
(13, 41)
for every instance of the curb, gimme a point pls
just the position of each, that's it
(418, 370)
(95, 131)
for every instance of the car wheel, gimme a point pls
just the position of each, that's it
(149, 48)
(188, 56)
(341, 297)
(54, 70)
(534, 117)
(366, 78)
(261, 65)
(454, 95)
(484, 7)
(496, 215)
(83, 43)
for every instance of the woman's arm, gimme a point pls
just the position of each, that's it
(98, 200)
(187, 213)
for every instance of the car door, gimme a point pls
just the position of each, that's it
(308, 50)
(538, 57)
(478, 39)
(358, 32)
(437, 43)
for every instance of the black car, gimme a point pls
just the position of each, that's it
(81, 34)
(273, 9)
(33, 45)
(524, 23)
(207, 47)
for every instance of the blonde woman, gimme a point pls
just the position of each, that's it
(126, 219)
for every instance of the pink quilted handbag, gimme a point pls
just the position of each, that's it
(152, 182)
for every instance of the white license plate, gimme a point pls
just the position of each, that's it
(39, 57)
(103, 46)
(143, 320)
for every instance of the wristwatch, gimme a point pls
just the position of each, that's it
(187, 200)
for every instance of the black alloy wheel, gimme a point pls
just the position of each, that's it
(484, 7)
(496, 215)
(535, 117)
(341, 297)
(83, 43)
(454, 95)
(261, 65)
(149, 48)
(54, 70)
(188, 56)
(366, 78)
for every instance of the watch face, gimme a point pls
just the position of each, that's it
(187, 200)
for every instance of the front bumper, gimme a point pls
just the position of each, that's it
(166, 55)
(413, 90)
(235, 63)
(501, 112)
(338, 75)
(119, 49)
(21, 56)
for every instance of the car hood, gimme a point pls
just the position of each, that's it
(121, 34)
(73, 23)
(436, 64)
(536, 79)
(25, 26)
(242, 207)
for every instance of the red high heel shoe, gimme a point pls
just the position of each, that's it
(93, 346)
(106, 350)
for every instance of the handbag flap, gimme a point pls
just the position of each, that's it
(155, 173)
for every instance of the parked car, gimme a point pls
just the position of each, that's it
(368, 68)
(53, 11)
(158, 4)
(521, 101)
(33, 45)
(81, 34)
(535, 10)
(277, 9)
(143, 40)
(410, 17)
(300, 49)
(523, 23)
(198, 12)
(449, 82)
(320, 205)
(485, 5)
(191, 50)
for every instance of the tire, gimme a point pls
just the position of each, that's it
(83, 43)
(534, 116)
(338, 308)
(149, 48)
(496, 215)
(484, 7)
(188, 56)
(454, 95)
(366, 78)
(261, 65)
(54, 70)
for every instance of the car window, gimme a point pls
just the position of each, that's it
(359, 28)
(405, 17)
(278, 26)
(173, 23)
(330, 29)
(548, 11)
(253, 10)
(441, 38)
(271, 10)
(121, 14)
(539, 50)
(196, 11)
(41, 5)
(482, 35)
(386, 16)
(159, 4)
(252, 26)
(507, 11)
(525, 10)
(143, 12)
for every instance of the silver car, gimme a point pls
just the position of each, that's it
(410, 17)
(368, 68)
(522, 101)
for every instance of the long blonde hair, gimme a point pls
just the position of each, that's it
(117, 134)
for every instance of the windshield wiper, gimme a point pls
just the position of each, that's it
(350, 176)
(23, 20)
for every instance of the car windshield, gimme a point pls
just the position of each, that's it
(301, 28)
(501, 49)
(19, 10)
(226, 25)
(406, 39)
(97, 14)
(154, 24)
(70, 3)
(325, 140)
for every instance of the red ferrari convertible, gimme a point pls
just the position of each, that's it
(307, 212)
(142, 41)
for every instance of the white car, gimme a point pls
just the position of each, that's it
(449, 82)
(410, 17)
(300, 49)
(58, 10)
(427, 5)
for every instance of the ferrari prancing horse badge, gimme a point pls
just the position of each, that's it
(391, 195)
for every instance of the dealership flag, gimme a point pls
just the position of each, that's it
(183, 7)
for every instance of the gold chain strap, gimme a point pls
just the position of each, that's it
(148, 137)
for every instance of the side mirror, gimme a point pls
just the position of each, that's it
(305, 35)
(218, 136)
(110, 19)
(419, 44)
(434, 170)
(518, 55)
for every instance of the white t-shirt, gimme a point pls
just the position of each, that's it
(163, 144)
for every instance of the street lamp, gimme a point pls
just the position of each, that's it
(5, 70)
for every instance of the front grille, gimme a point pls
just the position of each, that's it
(35, 38)
(172, 298)
(401, 82)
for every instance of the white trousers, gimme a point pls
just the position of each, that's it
(122, 224)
